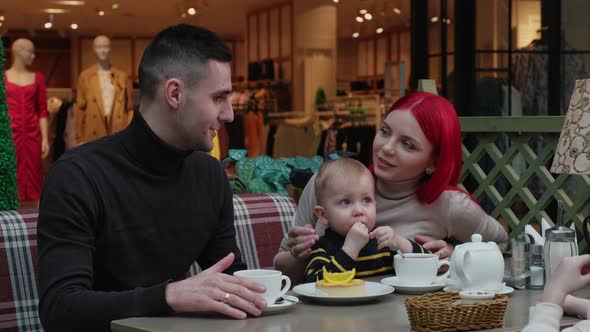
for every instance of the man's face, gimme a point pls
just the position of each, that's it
(206, 108)
(102, 48)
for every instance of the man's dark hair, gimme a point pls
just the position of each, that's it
(180, 51)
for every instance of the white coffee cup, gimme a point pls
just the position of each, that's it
(272, 280)
(418, 269)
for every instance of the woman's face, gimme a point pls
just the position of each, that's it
(400, 149)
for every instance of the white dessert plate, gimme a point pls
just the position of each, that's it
(287, 302)
(372, 290)
(502, 291)
(414, 289)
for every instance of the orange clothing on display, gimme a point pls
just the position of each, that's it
(26, 105)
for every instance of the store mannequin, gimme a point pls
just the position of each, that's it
(27, 107)
(103, 99)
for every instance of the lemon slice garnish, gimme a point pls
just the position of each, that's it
(338, 277)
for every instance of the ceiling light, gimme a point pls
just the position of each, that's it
(368, 16)
(70, 3)
(54, 11)
(355, 35)
(74, 26)
(191, 11)
(447, 21)
(48, 25)
(363, 11)
(397, 11)
(115, 6)
(379, 30)
(101, 13)
(2, 18)
(183, 15)
(335, 1)
(359, 19)
(434, 19)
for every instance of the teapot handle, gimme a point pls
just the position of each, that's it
(459, 268)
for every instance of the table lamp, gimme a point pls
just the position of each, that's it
(572, 156)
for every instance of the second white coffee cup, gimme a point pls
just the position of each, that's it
(272, 280)
(418, 269)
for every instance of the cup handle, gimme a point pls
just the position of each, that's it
(447, 263)
(287, 286)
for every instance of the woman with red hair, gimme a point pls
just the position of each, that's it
(416, 162)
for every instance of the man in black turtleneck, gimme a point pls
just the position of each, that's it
(122, 218)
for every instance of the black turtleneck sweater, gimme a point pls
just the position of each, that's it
(119, 218)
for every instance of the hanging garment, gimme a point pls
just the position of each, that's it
(26, 105)
(91, 120)
(531, 78)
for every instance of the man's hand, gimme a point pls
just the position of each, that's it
(212, 290)
(439, 247)
(300, 241)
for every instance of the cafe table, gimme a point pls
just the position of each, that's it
(386, 313)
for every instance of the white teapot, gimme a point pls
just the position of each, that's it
(477, 265)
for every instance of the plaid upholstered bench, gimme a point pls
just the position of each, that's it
(260, 219)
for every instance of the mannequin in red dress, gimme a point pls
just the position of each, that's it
(27, 108)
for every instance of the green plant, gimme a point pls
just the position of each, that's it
(8, 185)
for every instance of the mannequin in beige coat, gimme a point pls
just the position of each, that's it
(103, 97)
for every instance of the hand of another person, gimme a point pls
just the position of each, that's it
(212, 290)
(571, 274)
(385, 237)
(356, 238)
(439, 247)
(300, 241)
(44, 148)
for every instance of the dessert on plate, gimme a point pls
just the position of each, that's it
(340, 283)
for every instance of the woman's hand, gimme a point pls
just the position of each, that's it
(300, 241)
(439, 247)
(571, 274)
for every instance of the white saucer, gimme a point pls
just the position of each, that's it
(287, 303)
(504, 290)
(414, 289)
(372, 291)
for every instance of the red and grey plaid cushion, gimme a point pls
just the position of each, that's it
(261, 221)
(18, 271)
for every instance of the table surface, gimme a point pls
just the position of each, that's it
(387, 313)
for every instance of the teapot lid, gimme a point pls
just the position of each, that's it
(476, 243)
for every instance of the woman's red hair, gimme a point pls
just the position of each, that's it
(440, 124)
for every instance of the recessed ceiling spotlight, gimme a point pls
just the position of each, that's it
(2, 18)
(363, 11)
(335, 1)
(191, 11)
(101, 13)
(359, 19)
(74, 26)
(368, 16)
(379, 30)
(70, 3)
(115, 6)
(397, 11)
(434, 19)
(54, 11)
(355, 35)
(48, 25)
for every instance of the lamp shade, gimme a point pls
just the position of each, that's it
(572, 154)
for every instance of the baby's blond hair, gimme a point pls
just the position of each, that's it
(338, 170)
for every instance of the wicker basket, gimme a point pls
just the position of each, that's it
(436, 312)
